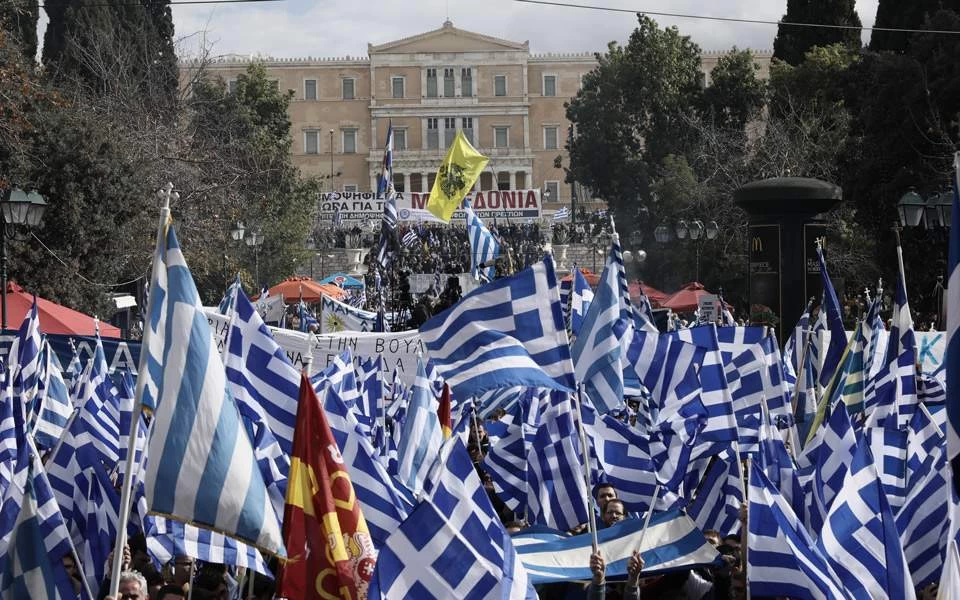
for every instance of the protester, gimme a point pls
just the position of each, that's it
(600, 590)
(604, 493)
(613, 512)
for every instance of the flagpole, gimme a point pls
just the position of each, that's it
(382, 401)
(744, 545)
(164, 194)
(646, 520)
(252, 575)
(592, 518)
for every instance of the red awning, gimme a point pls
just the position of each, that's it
(686, 298)
(54, 318)
(592, 278)
(656, 296)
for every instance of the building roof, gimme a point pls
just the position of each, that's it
(447, 38)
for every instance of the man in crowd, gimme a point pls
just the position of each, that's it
(613, 512)
(599, 589)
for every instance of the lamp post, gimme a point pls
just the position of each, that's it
(636, 253)
(18, 208)
(696, 231)
(255, 240)
(599, 241)
(236, 234)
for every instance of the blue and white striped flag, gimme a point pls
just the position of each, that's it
(25, 357)
(410, 239)
(782, 559)
(168, 539)
(202, 468)
(924, 522)
(388, 222)
(54, 407)
(834, 320)
(888, 446)
(860, 537)
(484, 247)
(952, 353)
(453, 526)
(556, 490)
(717, 502)
(902, 349)
(100, 407)
(580, 298)
(597, 350)
(561, 214)
(421, 438)
(259, 374)
(824, 463)
(506, 461)
(755, 380)
(793, 352)
(507, 333)
(384, 500)
(672, 542)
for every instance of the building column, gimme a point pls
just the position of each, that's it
(406, 183)
(514, 180)
(373, 183)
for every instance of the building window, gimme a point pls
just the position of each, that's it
(349, 141)
(550, 138)
(448, 87)
(348, 86)
(449, 131)
(553, 189)
(433, 133)
(400, 139)
(232, 86)
(466, 126)
(350, 188)
(309, 89)
(499, 85)
(397, 85)
(398, 185)
(466, 82)
(431, 83)
(501, 139)
(503, 180)
(311, 142)
(549, 85)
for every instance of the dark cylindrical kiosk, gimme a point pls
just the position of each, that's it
(786, 220)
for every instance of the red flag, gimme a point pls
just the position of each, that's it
(330, 551)
(443, 412)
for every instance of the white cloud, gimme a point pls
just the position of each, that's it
(296, 28)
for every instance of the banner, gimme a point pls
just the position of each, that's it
(120, 354)
(365, 207)
(399, 350)
(336, 316)
(271, 308)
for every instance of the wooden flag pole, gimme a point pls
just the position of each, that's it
(165, 195)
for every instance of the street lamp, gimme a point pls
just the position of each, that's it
(695, 230)
(910, 208)
(255, 240)
(237, 232)
(18, 208)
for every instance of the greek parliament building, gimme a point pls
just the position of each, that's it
(508, 102)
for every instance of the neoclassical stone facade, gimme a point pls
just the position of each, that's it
(509, 102)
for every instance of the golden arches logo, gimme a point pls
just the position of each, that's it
(757, 244)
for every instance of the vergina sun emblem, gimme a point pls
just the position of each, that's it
(451, 179)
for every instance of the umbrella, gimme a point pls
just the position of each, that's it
(54, 318)
(592, 278)
(292, 287)
(686, 298)
(656, 296)
(342, 280)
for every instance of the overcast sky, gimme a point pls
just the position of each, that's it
(297, 28)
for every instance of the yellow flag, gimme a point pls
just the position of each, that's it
(455, 178)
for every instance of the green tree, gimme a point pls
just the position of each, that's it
(19, 17)
(793, 42)
(892, 14)
(247, 175)
(736, 94)
(632, 111)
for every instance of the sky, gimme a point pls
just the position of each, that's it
(300, 28)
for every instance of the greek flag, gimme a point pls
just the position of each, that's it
(860, 537)
(755, 377)
(202, 468)
(580, 298)
(168, 539)
(26, 352)
(782, 559)
(100, 407)
(717, 502)
(834, 320)
(597, 352)
(901, 350)
(421, 438)
(507, 333)
(226, 303)
(54, 408)
(385, 502)
(410, 239)
(888, 446)
(259, 374)
(556, 490)
(452, 545)
(386, 167)
(793, 352)
(35, 538)
(952, 355)
(388, 222)
(824, 462)
(672, 542)
(924, 522)
(561, 214)
(484, 247)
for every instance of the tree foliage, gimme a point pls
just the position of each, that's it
(793, 42)
(19, 19)
(893, 14)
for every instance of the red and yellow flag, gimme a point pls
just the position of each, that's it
(330, 553)
(443, 412)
